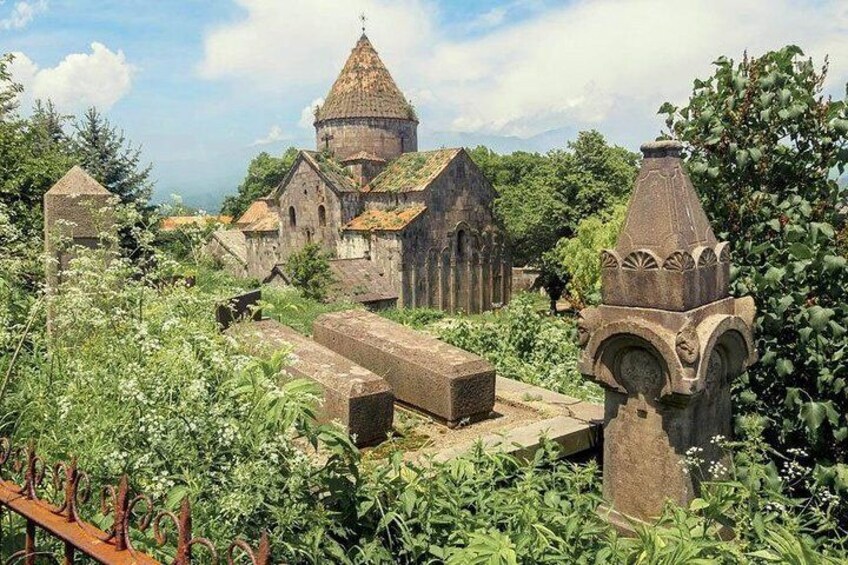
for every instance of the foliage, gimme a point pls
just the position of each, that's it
(579, 256)
(104, 152)
(524, 344)
(293, 309)
(764, 144)
(418, 318)
(543, 198)
(309, 271)
(264, 173)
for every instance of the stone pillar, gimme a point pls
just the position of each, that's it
(665, 343)
(77, 210)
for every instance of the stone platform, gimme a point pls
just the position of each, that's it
(521, 416)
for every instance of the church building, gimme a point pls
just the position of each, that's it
(410, 227)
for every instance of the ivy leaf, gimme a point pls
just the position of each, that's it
(819, 317)
(800, 251)
(834, 263)
(784, 367)
(813, 414)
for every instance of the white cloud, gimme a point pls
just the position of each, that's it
(22, 14)
(594, 63)
(275, 135)
(282, 44)
(99, 78)
(307, 115)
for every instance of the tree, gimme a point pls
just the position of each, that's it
(104, 152)
(542, 198)
(309, 271)
(34, 153)
(579, 256)
(264, 173)
(764, 150)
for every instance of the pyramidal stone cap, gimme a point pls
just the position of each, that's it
(667, 256)
(77, 181)
(77, 206)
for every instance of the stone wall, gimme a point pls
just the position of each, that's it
(454, 258)
(385, 138)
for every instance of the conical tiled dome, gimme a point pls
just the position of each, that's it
(365, 89)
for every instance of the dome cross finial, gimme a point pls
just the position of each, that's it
(363, 19)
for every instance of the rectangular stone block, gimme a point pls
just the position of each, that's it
(424, 373)
(353, 395)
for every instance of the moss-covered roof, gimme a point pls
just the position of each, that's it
(365, 89)
(412, 171)
(335, 173)
(385, 220)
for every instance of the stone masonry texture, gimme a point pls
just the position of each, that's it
(424, 373)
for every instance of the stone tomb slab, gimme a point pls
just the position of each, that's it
(427, 374)
(353, 395)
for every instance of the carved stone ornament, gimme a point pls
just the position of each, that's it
(664, 344)
(687, 345)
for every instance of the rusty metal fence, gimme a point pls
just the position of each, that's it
(75, 537)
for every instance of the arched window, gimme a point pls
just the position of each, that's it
(322, 216)
(460, 244)
(292, 217)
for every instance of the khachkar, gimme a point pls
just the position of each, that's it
(665, 343)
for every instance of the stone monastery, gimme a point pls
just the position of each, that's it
(404, 227)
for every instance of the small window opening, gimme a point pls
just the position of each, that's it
(292, 217)
(322, 216)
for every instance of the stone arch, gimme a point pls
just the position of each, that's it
(322, 216)
(292, 217)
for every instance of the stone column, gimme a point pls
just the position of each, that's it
(665, 343)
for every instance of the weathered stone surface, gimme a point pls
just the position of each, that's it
(572, 436)
(237, 308)
(77, 211)
(353, 395)
(665, 343)
(425, 373)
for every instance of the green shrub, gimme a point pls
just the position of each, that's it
(309, 271)
(764, 144)
(524, 344)
(418, 318)
(580, 255)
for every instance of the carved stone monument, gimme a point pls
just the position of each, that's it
(665, 343)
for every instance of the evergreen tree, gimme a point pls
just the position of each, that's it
(104, 152)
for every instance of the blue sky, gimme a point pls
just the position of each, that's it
(204, 85)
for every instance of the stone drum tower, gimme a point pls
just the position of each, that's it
(665, 343)
(365, 120)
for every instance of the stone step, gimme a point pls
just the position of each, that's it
(430, 375)
(353, 395)
(572, 436)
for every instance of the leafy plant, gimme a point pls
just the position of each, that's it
(764, 149)
(309, 271)
(579, 256)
